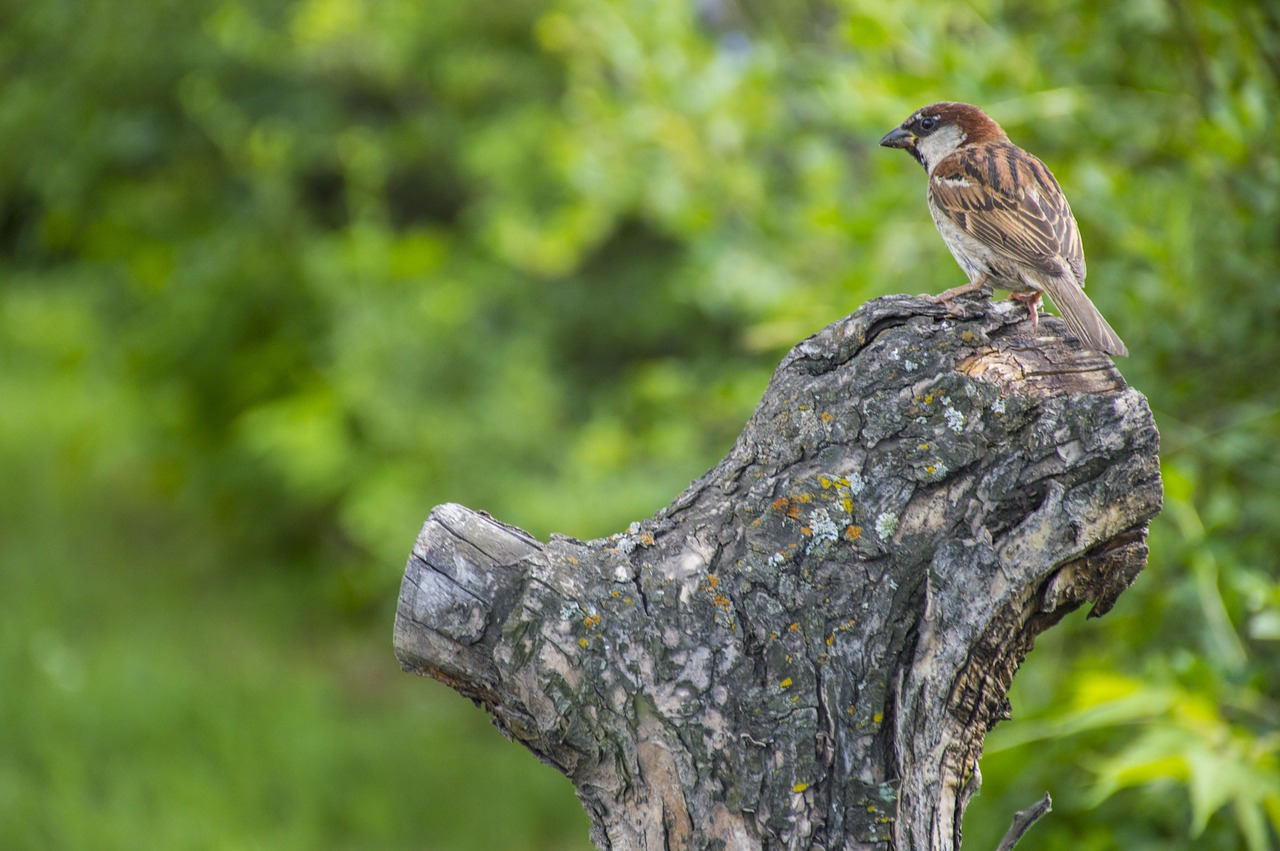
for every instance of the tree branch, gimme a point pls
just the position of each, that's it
(1022, 822)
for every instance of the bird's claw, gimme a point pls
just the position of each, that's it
(1032, 302)
(958, 310)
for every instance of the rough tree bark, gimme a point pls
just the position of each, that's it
(805, 649)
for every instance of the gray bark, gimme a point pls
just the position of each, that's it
(805, 649)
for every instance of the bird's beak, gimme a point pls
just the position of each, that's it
(898, 138)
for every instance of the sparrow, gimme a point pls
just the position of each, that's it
(1003, 216)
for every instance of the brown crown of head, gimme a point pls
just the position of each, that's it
(976, 124)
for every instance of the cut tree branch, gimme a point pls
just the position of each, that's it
(1022, 821)
(805, 649)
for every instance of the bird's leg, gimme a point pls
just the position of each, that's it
(943, 298)
(1032, 301)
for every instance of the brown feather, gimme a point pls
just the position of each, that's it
(986, 191)
(1084, 320)
(978, 127)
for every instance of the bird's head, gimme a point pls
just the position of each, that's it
(932, 132)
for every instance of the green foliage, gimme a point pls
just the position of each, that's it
(276, 277)
(144, 709)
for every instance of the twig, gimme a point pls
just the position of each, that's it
(1023, 820)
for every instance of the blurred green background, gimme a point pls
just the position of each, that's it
(277, 276)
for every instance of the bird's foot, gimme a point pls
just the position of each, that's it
(946, 297)
(1032, 302)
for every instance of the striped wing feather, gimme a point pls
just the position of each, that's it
(1008, 200)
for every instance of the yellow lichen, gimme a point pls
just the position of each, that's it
(785, 683)
(799, 787)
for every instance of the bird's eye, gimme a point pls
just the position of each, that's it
(929, 123)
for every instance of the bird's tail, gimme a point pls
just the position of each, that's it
(1083, 318)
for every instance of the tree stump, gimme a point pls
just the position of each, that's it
(805, 649)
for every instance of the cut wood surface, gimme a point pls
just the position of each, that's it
(805, 649)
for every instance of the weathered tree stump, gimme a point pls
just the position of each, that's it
(805, 649)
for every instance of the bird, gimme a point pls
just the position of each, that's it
(1003, 216)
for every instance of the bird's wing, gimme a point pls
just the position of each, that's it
(1008, 200)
